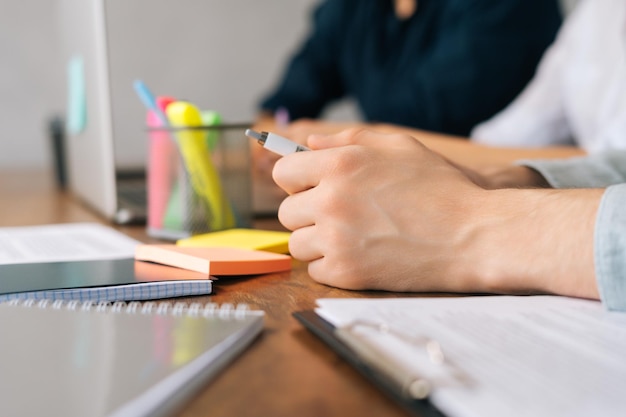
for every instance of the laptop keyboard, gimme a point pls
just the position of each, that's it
(132, 202)
(133, 194)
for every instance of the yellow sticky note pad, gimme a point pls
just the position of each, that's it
(266, 240)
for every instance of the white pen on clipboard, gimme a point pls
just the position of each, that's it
(424, 353)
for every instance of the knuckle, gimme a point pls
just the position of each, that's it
(344, 273)
(341, 268)
(329, 204)
(348, 159)
(355, 132)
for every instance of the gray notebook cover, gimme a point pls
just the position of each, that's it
(134, 360)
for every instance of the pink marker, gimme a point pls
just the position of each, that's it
(161, 159)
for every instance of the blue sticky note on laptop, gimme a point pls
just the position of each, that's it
(77, 100)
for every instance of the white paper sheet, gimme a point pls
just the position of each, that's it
(63, 242)
(523, 356)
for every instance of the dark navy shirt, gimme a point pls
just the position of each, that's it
(453, 64)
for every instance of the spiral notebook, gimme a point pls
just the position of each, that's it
(85, 359)
(99, 280)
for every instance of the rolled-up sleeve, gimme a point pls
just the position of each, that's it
(599, 171)
(596, 171)
(610, 248)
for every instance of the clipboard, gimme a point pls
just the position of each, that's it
(326, 332)
(482, 355)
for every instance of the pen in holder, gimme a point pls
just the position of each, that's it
(198, 176)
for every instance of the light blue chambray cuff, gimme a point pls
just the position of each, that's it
(610, 248)
(596, 171)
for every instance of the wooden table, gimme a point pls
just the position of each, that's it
(285, 372)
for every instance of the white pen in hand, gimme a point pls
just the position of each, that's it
(275, 143)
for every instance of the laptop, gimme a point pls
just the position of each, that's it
(119, 194)
(203, 51)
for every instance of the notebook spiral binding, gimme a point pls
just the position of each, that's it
(208, 310)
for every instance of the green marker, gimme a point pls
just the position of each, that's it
(211, 118)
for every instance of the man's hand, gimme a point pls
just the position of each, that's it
(375, 211)
(372, 211)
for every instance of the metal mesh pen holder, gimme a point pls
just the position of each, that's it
(198, 180)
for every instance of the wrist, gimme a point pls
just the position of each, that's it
(512, 177)
(533, 241)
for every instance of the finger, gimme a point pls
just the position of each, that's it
(354, 136)
(303, 170)
(299, 171)
(344, 138)
(303, 244)
(298, 210)
(318, 271)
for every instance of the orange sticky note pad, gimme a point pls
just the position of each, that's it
(150, 272)
(215, 261)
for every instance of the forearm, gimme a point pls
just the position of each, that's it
(535, 241)
(456, 149)
(463, 151)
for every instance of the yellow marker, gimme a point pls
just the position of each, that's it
(204, 177)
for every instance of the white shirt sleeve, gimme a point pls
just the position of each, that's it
(537, 117)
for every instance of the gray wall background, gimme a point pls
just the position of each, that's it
(32, 78)
(29, 87)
